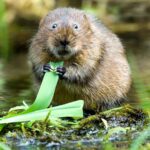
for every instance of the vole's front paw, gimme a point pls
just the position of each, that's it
(61, 71)
(46, 68)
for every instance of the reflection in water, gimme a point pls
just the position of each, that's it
(139, 44)
(16, 80)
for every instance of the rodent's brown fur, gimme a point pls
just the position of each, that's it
(97, 71)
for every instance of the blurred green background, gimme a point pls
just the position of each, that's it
(129, 19)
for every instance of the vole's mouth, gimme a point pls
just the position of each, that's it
(63, 52)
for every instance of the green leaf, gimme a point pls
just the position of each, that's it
(73, 109)
(38, 110)
(46, 91)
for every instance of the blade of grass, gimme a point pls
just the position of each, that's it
(46, 91)
(44, 97)
(70, 111)
(74, 104)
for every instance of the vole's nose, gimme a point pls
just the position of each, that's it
(64, 42)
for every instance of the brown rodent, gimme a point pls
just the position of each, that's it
(96, 67)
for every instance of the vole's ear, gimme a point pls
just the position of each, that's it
(85, 17)
(87, 21)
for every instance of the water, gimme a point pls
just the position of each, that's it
(15, 82)
(139, 44)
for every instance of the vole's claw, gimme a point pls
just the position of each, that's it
(61, 71)
(46, 68)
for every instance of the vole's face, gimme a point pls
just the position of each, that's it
(67, 34)
(62, 40)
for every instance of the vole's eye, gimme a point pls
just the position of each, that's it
(75, 26)
(54, 26)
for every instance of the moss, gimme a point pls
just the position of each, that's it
(124, 122)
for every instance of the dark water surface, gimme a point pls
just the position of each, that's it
(15, 82)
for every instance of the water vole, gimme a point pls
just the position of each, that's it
(96, 69)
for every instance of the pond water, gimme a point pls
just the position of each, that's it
(15, 82)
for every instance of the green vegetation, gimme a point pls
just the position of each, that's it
(4, 39)
(141, 90)
(123, 122)
(38, 110)
(143, 95)
(141, 139)
(4, 146)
